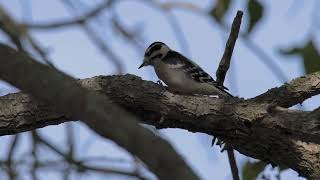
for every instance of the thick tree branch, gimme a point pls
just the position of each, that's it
(95, 110)
(144, 94)
(259, 130)
(254, 129)
(293, 93)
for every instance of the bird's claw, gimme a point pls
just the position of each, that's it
(220, 143)
(213, 140)
(161, 119)
(159, 83)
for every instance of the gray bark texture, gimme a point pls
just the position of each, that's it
(260, 127)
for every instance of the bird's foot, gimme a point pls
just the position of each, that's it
(160, 83)
(219, 143)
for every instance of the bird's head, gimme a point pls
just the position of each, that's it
(155, 52)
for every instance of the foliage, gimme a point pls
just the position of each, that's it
(309, 54)
(251, 170)
(220, 9)
(255, 10)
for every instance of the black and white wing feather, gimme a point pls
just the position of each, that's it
(195, 72)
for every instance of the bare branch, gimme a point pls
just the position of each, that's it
(178, 31)
(264, 57)
(226, 58)
(16, 32)
(95, 110)
(256, 130)
(9, 26)
(233, 163)
(34, 154)
(82, 166)
(248, 42)
(97, 41)
(138, 89)
(43, 54)
(72, 22)
(11, 171)
(292, 93)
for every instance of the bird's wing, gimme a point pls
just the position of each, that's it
(195, 72)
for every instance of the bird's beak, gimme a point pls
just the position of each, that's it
(143, 64)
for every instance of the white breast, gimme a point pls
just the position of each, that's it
(181, 82)
(170, 75)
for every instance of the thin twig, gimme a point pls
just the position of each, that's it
(173, 22)
(178, 31)
(12, 149)
(34, 154)
(11, 28)
(83, 22)
(226, 58)
(43, 54)
(97, 41)
(132, 36)
(17, 32)
(80, 166)
(71, 22)
(70, 143)
(248, 42)
(261, 54)
(264, 57)
(233, 163)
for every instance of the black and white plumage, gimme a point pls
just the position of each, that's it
(179, 73)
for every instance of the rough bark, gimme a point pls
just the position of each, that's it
(255, 127)
(293, 93)
(258, 130)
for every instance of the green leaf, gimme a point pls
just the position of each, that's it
(219, 10)
(252, 170)
(255, 10)
(309, 54)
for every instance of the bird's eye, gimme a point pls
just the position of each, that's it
(152, 49)
(156, 56)
(147, 54)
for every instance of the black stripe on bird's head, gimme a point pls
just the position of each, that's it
(155, 51)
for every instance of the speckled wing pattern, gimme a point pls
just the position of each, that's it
(195, 72)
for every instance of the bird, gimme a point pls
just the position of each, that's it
(179, 73)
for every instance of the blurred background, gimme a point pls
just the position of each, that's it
(279, 41)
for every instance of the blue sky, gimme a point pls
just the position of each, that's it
(286, 24)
